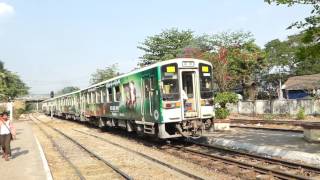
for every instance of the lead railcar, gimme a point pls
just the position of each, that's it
(168, 99)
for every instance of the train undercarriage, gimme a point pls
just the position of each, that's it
(185, 128)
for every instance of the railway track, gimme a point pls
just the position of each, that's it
(76, 171)
(209, 156)
(72, 155)
(143, 155)
(154, 160)
(269, 167)
(275, 167)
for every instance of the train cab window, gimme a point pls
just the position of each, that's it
(118, 93)
(170, 85)
(206, 89)
(110, 94)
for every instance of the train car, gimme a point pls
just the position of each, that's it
(169, 99)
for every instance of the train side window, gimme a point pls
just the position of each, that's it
(83, 99)
(88, 98)
(146, 88)
(102, 96)
(93, 98)
(98, 97)
(117, 93)
(110, 94)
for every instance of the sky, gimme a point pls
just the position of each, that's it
(52, 44)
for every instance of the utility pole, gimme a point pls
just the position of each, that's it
(280, 84)
(10, 108)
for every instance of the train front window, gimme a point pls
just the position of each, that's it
(206, 89)
(170, 89)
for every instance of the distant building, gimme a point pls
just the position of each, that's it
(298, 87)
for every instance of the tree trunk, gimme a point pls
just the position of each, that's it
(249, 91)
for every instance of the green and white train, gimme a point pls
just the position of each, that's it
(169, 99)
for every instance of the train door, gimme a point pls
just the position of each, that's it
(148, 98)
(189, 95)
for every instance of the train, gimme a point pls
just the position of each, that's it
(168, 99)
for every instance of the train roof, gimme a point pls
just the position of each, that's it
(134, 72)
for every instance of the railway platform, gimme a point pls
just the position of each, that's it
(287, 145)
(28, 161)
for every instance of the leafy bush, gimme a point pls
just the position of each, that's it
(301, 114)
(17, 113)
(222, 113)
(223, 99)
(226, 97)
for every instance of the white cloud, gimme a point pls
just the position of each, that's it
(6, 9)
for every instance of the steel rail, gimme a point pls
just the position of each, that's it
(144, 155)
(257, 168)
(278, 161)
(115, 168)
(58, 148)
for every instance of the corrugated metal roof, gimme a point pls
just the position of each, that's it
(306, 82)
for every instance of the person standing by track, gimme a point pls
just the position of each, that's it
(7, 133)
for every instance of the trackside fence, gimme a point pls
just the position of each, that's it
(286, 106)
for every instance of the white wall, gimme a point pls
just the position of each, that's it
(276, 107)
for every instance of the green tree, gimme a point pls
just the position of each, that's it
(105, 74)
(308, 54)
(301, 58)
(281, 53)
(312, 22)
(308, 59)
(236, 60)
(68, 89)
(280, 57)
(11, 85)
(168, 44)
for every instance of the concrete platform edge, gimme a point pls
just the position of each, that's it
(44, 160)
(308, 158)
